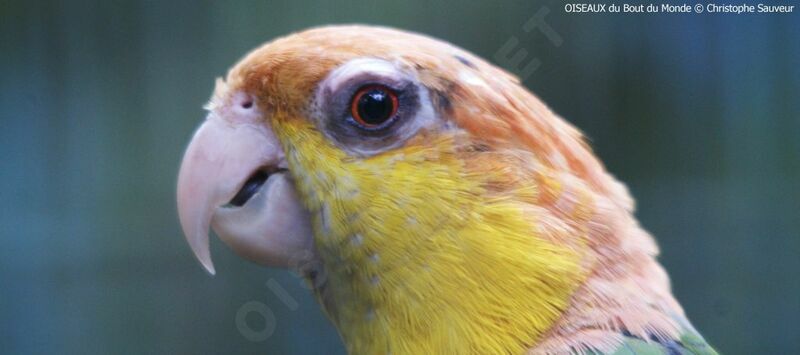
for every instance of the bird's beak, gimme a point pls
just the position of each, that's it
(234, 178)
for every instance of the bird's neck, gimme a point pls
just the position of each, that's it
(482, 285)
(417, 260)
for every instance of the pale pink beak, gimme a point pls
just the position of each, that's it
(234, 153)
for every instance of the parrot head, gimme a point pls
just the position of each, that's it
(442, 204)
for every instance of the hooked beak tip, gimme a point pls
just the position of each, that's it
(208, 265)
(197, 235)
(199, 242)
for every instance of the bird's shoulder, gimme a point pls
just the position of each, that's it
(689, 343)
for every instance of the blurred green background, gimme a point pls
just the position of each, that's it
(698, 114)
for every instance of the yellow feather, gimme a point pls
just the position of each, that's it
(419, 257)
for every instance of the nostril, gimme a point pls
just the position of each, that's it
(243, 100)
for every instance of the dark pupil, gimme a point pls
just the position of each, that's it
(375, 107)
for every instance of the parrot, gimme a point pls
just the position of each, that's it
(432, 202)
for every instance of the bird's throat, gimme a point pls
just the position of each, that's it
(417, 261)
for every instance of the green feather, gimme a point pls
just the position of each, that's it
(690, 343)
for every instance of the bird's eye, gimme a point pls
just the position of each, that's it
(373, 106)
